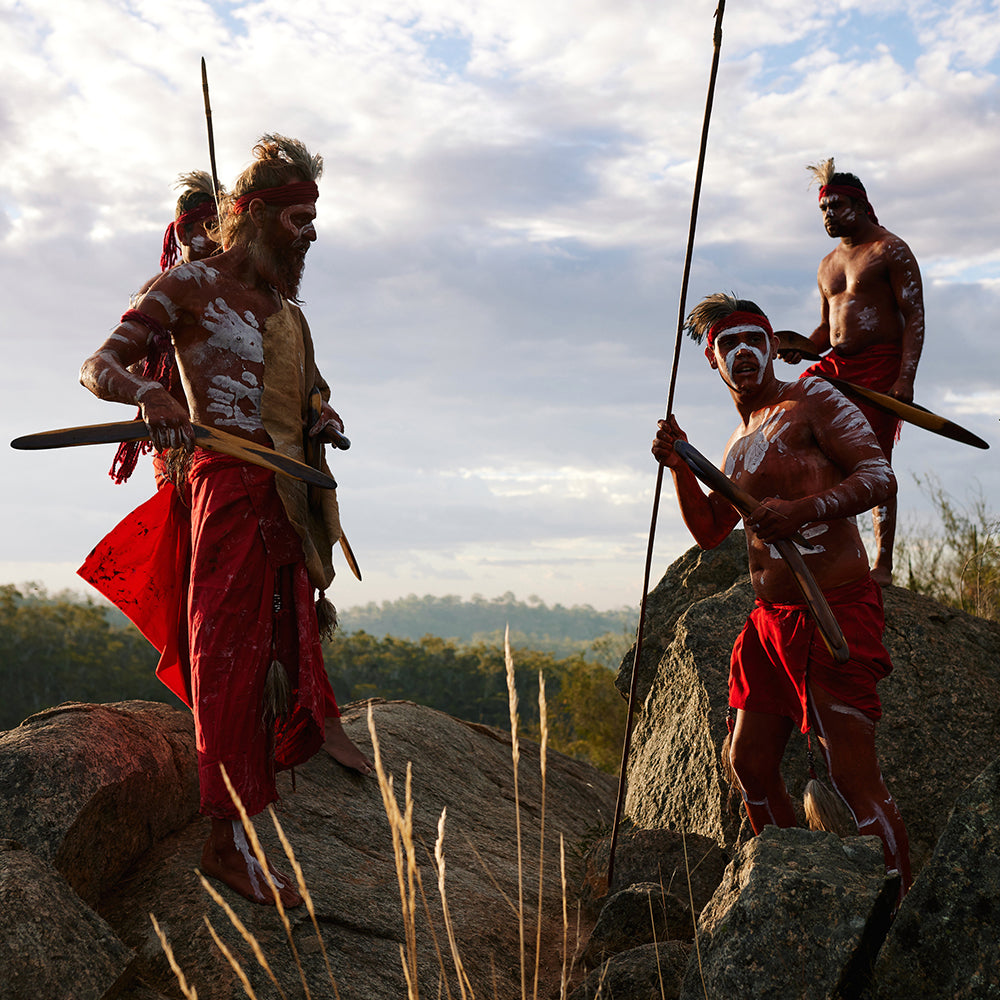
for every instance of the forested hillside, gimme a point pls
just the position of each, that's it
(66, 648)
(533, 624)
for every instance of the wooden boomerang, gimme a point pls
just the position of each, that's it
(789, 340)
(206, 437)
(815, 600)
(314, 456)
(912, 413)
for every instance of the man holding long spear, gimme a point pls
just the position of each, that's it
(812, 455)
(248, 657)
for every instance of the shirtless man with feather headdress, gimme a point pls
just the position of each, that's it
(872, 320)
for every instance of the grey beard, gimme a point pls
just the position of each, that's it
(283, 272)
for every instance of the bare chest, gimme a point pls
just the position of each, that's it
(855, 272)
(220, 355)
(775, 455)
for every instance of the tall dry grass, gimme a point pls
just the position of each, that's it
(412, 897)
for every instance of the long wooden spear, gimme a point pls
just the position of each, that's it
(681, 311)
(211, 138)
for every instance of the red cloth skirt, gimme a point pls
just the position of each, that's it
(201, 586)
(874, 368)
(780, 643)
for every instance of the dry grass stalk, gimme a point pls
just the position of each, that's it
(260, 856)
(463, 979)
(515, 752)
(656, 944)
(404, 853)
(189, 991)
(694, 920)
(242, 929)
(306, 896)
(543, 722)
(231, 959)
(496, 885)
(565, 916)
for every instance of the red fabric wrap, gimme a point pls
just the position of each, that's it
(780, 642)
(849, 191)
(299, 193)
(738, 318)
(877, 368)
(171, 246)
(158, 366)
(200, 587)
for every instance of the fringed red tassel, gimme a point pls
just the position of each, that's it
(159, 365)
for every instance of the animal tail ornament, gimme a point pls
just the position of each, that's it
(326, 616)
(824, 808)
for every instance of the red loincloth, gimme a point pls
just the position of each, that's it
(767, 672)
(223, 563)
(875, 368)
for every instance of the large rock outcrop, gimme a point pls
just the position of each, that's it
(946, 939)
(337, 825)
(799, 914)
(939, 731)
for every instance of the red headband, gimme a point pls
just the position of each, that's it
(849, 191)
(298, 193)
(171, 249)
(738, 318)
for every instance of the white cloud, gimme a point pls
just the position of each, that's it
(502, 226)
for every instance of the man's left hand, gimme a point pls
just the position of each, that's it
(902, 389)
(329, 420)
(776, 519)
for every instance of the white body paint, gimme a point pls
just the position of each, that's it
(726, 363)
(255, 870)
(197, 271)
(772, 427)
(168, 307)
(236, 403)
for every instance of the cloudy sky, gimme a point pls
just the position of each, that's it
(502, 224)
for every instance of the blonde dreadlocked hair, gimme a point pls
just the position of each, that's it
(277, 160)
(716, 307)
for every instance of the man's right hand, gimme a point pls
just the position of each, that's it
(668, 431)
(168, 421)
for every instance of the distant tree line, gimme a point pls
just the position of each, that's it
(66, 648)
(533, 624)
(63, 648)
(585, 713)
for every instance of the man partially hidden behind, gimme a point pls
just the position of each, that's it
(229, 601)
(811, 459)
(872, 320)
(190, 237)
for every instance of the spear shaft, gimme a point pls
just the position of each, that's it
(622, 780)
(211, 138)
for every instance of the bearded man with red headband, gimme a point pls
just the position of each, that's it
(811, 458)
(872, 320)
(237, 629)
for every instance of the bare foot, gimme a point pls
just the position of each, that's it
(343, 750)
(228, 857)
(882, 575)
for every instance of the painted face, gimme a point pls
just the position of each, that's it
(195, 241)
(741, 354)
(840, 214)
(281, 254)
(298, 221)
